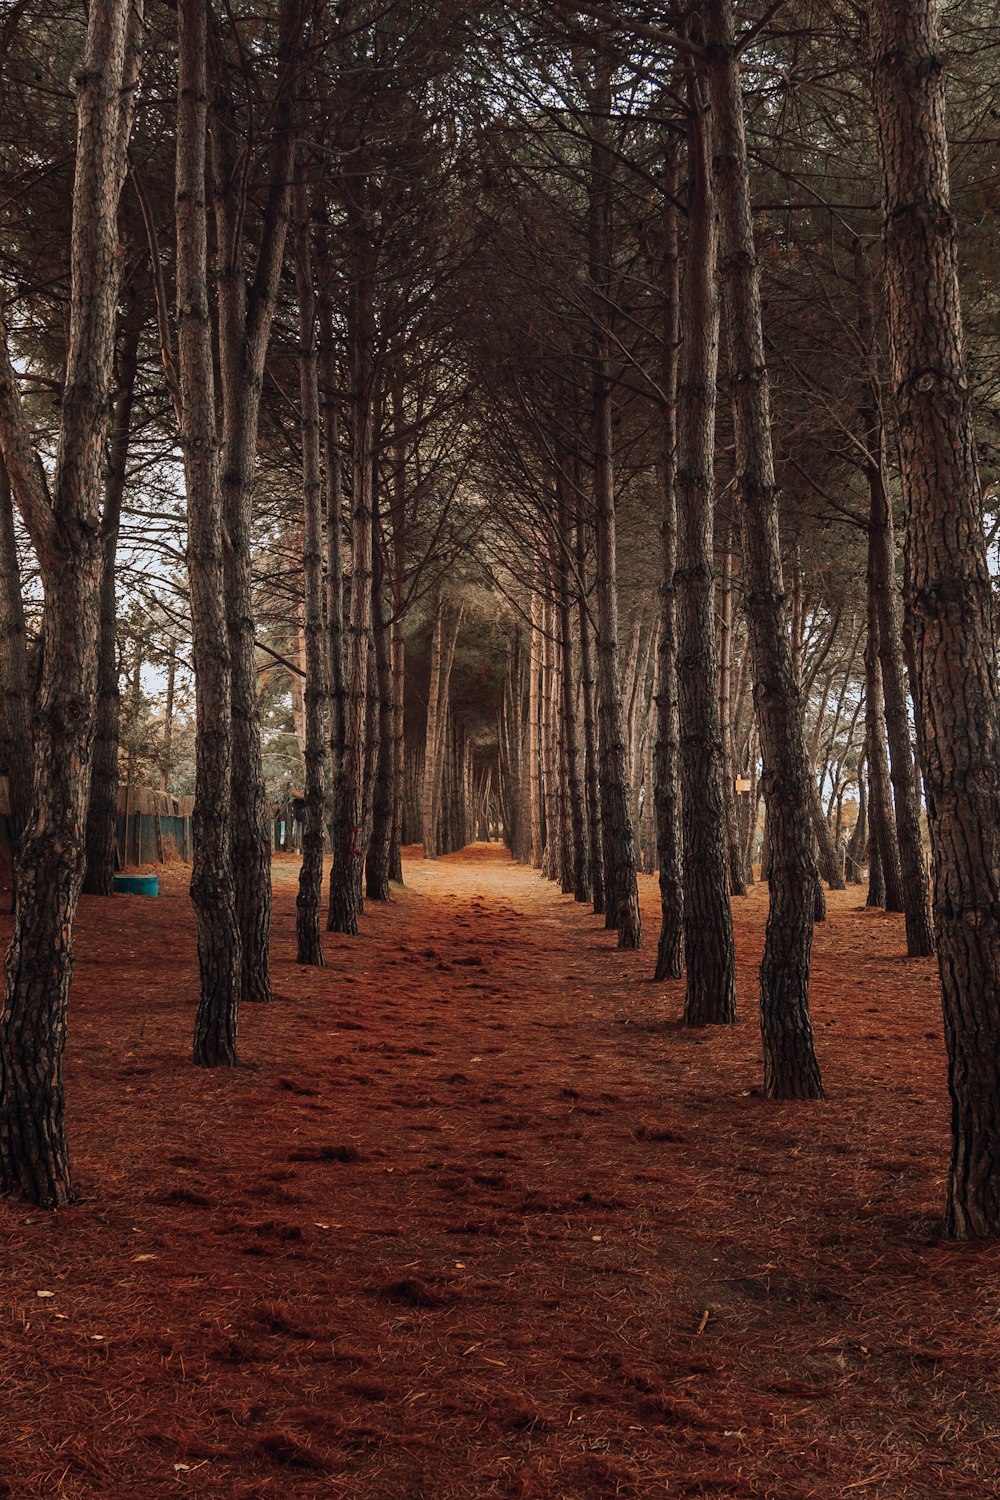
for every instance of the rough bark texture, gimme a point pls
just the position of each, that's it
(16, 746)
(790, 1067)
(102, 812)
(621, 890)
(886, 888)
(212, 890)
(348, 824)
(308, 937)
(734, 848)
(884, 595)
(534, 731)
(709, 955)
(667, 779)
(245, 316)
(64, 526)
(595, 838)
(377, 866)
(579, 883)
(334, 505)
(949, 594)
(550, 768)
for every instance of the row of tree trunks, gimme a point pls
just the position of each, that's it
(64, 526)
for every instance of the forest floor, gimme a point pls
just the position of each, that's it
(477, 1217)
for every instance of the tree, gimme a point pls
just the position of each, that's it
(949, 596)
(709, 954)
(307, 904)
(790, 1067)
(64, 525)
(212, 884)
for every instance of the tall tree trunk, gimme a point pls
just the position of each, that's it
(65, 532)
(349, 830)
(595, 837)
(308, 937)
(245, 316)
(709, 955)
(887, 889)
(212, 884)
(377, 860)
(734, 851)
(550, 754)
(102, 813)
(397, 645)
(574, 791)
(167, 752)
(334, 505)
(667, 781)
(561, 743)
(621, 889)
(859, 834)
(790, 1066)
(882, 582)
(535, 731)
(398, 669)
(950, 596)
(430, 801)
(16, 742)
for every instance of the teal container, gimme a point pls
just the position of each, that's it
(137, 885)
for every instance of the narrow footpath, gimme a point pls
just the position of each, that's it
(478, 1217)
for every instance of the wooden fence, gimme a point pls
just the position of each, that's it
(153, 827)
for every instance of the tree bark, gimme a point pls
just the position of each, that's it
(709, 955)
(949, 591)
(534, 731)
(245, 316)
(915, 889)
(102, 813)
(595, 837)
(349, 831)
(887, 889)
(212, 886)
(621, 889)
(790, 1066)
(734, 851)
(64, 526)
(308, 936)
(17, 751)
(377, 860)
(667, 781)
(580, 885)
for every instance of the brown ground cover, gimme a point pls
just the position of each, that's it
(476, 1217)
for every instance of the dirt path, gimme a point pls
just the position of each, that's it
(478, 1218)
